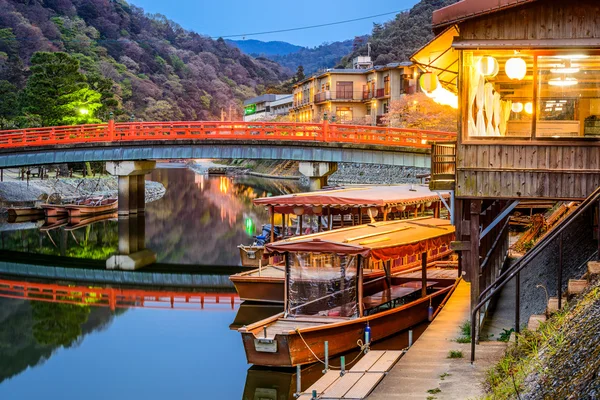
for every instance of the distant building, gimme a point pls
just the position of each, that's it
(361, 94)
(267, 107)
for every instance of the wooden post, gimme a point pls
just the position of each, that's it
(360, 286)
(424, 274)
(300, 224)
(283, 224)
(286, 292)
(272, 223)
(360, 215)
(473, 263)
(341, 219)
(385, 214)
(329, 223)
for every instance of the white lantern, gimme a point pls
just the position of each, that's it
(401, 208)
(488, 66)
(517, 107)
(298, 210)
(516, 68)
(428, 204)
(317, 209)
(429, 82)
(529, 108)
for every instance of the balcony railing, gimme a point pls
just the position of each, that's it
(381, 92)
(443, 166)
(339, 95)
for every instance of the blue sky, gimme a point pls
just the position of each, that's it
(230, 17)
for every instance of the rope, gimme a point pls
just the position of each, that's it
(359, 342)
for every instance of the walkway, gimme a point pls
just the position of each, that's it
(426, 368)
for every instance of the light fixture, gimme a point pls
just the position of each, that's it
(429, 82)
(488, 66)
(574, 57)
(298, 210)
(565, 70)
(517, 107)
(84, 111)
(562, 82)
(428, 204)
(372, 212)
(401, 208)
(516, 68)
(317, 209)
(529, 108)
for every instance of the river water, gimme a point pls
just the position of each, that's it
(103, 335)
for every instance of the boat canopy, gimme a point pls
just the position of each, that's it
(352, 197)
(381, 241)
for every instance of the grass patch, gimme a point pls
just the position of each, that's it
(455, 354)
(434, 391)
(431, 397)
(444, 375)
(505, 335)
(465, 332)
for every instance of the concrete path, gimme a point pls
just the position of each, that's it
(426, 372)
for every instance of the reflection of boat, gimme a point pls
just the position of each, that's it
(326, 299)
(267, 283)
(54, 222)
(93, 207)
(265, 384)
(84, 220)
(25, 212)
(250, 312)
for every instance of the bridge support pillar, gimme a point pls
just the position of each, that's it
(132, 253)
(132, 186)
(317, 172)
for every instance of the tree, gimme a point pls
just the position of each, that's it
(58, 324)
(420, 112)
(58, 92)
(8, 103)
(299, 74)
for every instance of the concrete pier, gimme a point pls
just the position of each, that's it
(317, 172)
(132, 187)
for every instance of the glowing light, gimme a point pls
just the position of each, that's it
(317, 209)
(429, 82)
(516, 68)
(298, 210)
(529, 108)
(488, 66)
(517, 107)
(84, 111)
(443, 96)
(562, 82)
(575, 57)
(249, 226)
(565, 70)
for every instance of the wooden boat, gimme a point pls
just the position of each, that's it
(267, 283)
(52, 223)
(94, 207)
(326, 298)
(78, 222)
(250, 312)
(25, 211)
(347, 206)
(251, 256)
(54, 210)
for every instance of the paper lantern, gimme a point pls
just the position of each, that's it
(529, 108)
(317, 209)
(298, 210)
(517, 107)
(429, 82)
(516, 68)
(562, 82)
(488, 66)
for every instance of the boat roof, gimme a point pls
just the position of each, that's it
(359, 196)
(381, 240)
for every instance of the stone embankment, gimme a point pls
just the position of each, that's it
(21, 193)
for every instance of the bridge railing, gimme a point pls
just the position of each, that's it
(203, 130)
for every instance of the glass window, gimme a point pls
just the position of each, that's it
(343, 113)
(499, 95)
(569, 96)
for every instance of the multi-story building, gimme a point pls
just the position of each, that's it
(267, 107)
(360, 95)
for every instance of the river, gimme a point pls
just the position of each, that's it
(88, 336)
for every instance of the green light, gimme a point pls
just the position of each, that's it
(84, 111)
(250, 109)
(249, 225)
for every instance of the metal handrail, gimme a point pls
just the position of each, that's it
(523, 262)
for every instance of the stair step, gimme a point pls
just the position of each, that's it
(576, 286)
(553, 304)
(593, 269)
(535, 321)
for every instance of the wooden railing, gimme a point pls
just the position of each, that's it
(200, 130)
(443, 166)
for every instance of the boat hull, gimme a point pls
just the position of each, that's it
(54, 210)
(341, 336)
(83, 210)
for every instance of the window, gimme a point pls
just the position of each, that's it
(343, 113)
(343, 90)
(386, 85)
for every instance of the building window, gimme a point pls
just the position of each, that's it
(386, 85)
(343, 113)
(343, 90)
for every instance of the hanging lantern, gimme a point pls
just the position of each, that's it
(401, 208)
(429, 82)
(529, 108)
(428, 204)
(317, 209)
(488, 66)
(517, 107)
(298, 210)
(516, 68)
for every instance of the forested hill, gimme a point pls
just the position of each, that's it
(260, 48)
(327, 55)
(140, 63)
(398, 39)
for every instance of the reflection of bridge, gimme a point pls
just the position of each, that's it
(226, 140)
(114, 298)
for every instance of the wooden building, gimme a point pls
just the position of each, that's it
(527, 77)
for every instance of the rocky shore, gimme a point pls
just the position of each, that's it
(22, 193)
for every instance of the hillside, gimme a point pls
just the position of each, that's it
(398, 39)
(144, 64)
(327, 55)
(258, 47)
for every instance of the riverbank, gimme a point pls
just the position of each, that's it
(26, 194)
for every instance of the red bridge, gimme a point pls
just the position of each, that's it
(253, 140)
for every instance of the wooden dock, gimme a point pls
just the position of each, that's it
(358, 381)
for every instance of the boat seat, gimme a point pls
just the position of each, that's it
(393, 296)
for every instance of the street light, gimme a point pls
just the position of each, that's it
(84, 111)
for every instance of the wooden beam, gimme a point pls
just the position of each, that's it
(424, 274)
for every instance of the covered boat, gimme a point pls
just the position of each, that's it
(326, 298)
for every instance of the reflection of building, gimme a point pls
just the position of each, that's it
(267, 107)
(361, 94)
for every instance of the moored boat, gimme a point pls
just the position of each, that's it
(326, 298)
(80, 221)
(94, 207)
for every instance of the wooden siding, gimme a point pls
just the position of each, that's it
(550, 19)
(527, 171)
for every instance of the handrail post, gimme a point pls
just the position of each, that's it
(517, 302)
(325, 130)
(111, 129)
(560, 268)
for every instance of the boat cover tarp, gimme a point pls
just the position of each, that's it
(381, 241)
(367, 196)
